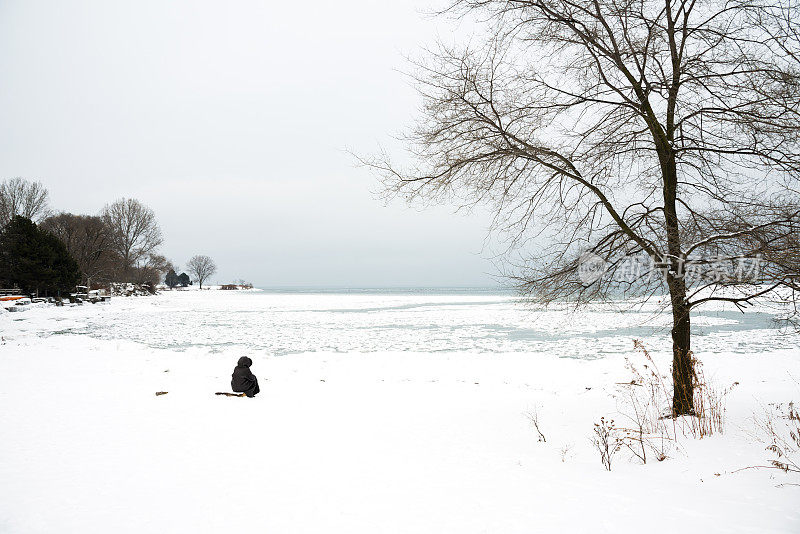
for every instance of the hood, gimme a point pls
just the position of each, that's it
(244, 361)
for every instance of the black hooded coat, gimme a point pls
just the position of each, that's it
(242, 379)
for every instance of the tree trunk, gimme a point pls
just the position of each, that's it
(682, 363)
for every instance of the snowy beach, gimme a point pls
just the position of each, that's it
(379, 412)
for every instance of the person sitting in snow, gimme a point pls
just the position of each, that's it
(242, 379)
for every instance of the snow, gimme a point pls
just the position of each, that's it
(378, 413)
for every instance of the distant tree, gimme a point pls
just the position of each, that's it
(150, 272)
(34, 260)
(87, 240)
(184, 280)
(134, 232)
(201, 267)
(171, 279)
(22, 197)
(159, 263)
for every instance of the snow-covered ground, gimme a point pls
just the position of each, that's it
(378, 413)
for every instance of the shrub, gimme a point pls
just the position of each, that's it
(606, 441)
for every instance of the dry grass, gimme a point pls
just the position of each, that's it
(533, 417)
(649, 429)
(644, 404)
(780, 429)
(565, 452)
(709, 406)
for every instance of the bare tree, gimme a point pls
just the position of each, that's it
(22, 197)
(134, 232)
(652, 136)
(88, 241)
(201, 267)
(150, 271)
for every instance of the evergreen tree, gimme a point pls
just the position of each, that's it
(171, 279)
(34, 260)
(184, 280)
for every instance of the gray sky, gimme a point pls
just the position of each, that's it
(230, 120)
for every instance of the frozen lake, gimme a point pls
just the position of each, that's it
(292, 322)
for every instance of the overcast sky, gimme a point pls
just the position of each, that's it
(231, 120)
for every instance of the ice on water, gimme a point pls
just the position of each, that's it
(284, 323)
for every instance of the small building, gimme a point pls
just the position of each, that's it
(229, 287)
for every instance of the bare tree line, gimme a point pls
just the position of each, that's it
(658, 130)
(118, 245)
